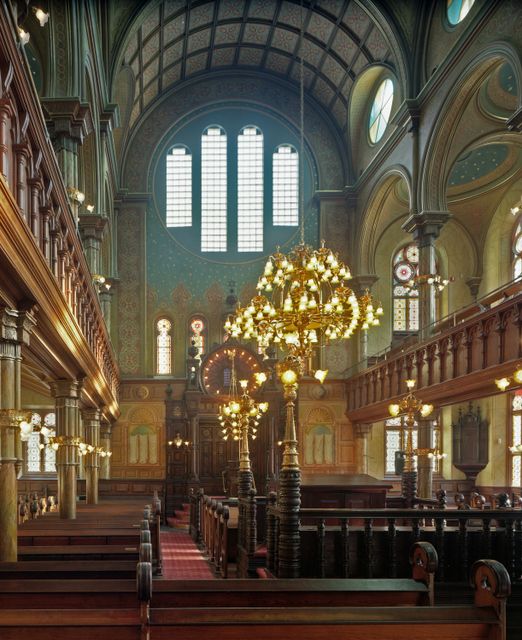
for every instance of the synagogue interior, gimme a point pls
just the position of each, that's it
(261, 292)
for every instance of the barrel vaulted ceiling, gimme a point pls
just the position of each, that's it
(174, 40)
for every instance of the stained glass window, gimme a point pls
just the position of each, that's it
(457, 10)
(285, 172)
(516, 440)
(225, 193)
(179, 187)
(197, 335)
(380, 111)
(405, 297)
(49, 453)
(250, 190)
(39, 457)
(214, 189)
(395, 440)
(163, 347)
(517, 252)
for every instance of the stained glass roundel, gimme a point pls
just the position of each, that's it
(381, 109)
(404, 271)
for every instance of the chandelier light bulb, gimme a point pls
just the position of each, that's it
(41, 16)
(502, 383)
(394, 410)
(24, 36)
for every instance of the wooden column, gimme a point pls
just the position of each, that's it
(91, 425)
(425, 462)
(66, 394)
(289, 496)
(15, 328)
(361, 432)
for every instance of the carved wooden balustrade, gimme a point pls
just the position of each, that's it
(39, 225)
(370, 543)
(459, 363)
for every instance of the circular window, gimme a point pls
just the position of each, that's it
(457, 10)
(404, 271)
(381, 109)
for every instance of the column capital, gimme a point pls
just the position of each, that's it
(91, 415)
(15, 325)
(362, 282)
(362, 429)
(68, 118)
(66, 388)
(426, 225)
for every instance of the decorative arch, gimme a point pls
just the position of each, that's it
(368, 235)
(440, 155)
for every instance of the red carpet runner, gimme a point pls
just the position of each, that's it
(182, 560)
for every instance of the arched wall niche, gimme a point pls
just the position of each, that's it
(269, 93)
(441, 152)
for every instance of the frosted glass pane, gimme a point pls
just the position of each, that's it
(250, 190)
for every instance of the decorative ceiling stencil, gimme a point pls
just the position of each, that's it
(478, 163)
(175, 40)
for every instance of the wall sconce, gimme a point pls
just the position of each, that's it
(76, 195)
(41, 16)
(320, 375)
(24, 36)
(503, 383)
(98, 279)
(90, 208)
(178, 441)
(433, 279)
(517, 208)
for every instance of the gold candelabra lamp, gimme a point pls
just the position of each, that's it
(179, 442)
(410, 406)
(239, 418)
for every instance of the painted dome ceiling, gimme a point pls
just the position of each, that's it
(171, 41)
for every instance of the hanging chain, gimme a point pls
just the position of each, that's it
(301, 127)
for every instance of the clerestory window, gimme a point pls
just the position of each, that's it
(235, 189)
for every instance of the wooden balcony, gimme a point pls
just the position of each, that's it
(459, 362)
(42, 260)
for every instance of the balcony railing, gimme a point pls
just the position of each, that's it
(459, 362)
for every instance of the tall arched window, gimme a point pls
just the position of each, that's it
(517, 251)
(250, 189)
(405, 298)
(39, 457)
(395, 434)
(233, 185)
(198, 334)
(285, 171)
(163, 347)
(179, 187)
(516, 441)
(214, 189)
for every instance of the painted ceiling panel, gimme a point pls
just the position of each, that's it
(333, 43)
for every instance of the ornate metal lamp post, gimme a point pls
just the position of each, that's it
(410, 406)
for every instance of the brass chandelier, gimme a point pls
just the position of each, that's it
(241, 413)
(303, 297)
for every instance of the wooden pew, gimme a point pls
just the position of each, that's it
(67, 569)
(485, 619)
(79, 552)
(104, 524)
(77, 609)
